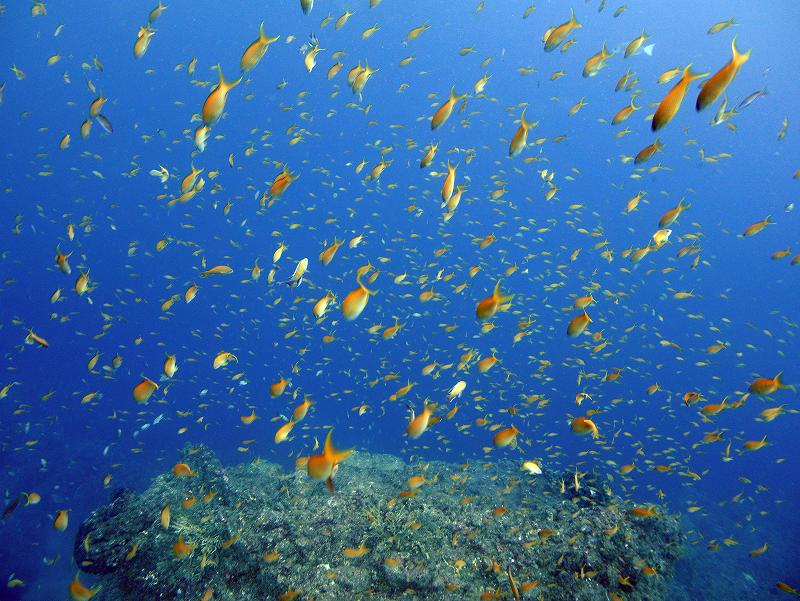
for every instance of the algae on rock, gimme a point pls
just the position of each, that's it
(259, 533)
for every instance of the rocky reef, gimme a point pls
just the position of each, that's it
(255, 532)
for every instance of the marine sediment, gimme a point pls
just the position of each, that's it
(254, 531)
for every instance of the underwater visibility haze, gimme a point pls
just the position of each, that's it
(383, 299)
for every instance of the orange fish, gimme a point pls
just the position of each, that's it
(713, 408)
(355, 302)
(62, 520)
(214, 105)
(583, 425)
(182, 470)
(443, 113)
(281, 182)
(646, 153)
(276, 389)
(256, 50)
(560, 33)
(520, 139)
(165, 517)
(326, 256)
(505, 437)
(419, 423)
(490, 305)
(788, 589)
(359, 551)
(301, 410)
(325, 465)
(764, 386)
(79, 592)
(578, 324)
(142, 41)
(62, 261)
(755, 445)
(759, 551)
(596, 62)
(487, 363)
(644, 512)
(181, 549)
(672, 101)
(714, 87)
(283, 432)
(144, 390)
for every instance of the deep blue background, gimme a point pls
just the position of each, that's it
(749, 300)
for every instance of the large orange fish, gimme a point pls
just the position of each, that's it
(714, 87)
(763, 386)
(443, 113)
(256, 50)
(325, 465)
(672, 101)
(560, 33)
(214, 105)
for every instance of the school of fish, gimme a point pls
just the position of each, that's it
(440, 297)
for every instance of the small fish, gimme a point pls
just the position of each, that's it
(720, 26)
(752, 98)
(12, 505)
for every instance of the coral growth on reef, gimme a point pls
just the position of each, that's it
(454, 531)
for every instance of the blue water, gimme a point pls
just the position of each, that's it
(62, 448)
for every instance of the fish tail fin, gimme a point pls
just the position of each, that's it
(224, 82)
(526, 124)
(496, 292)
(781, 385)
(339, 456)
(263, 37)
(367, 290)
(689, 75)
(739, 58)
(332, 454)
(648, 50)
